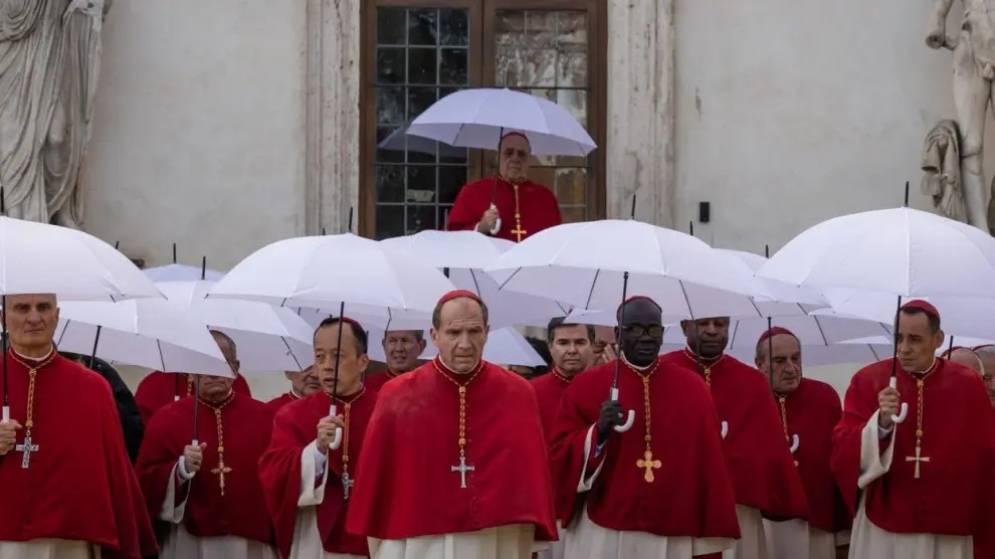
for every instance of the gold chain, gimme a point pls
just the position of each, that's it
(222, 468)
(921, 409)
(29, 421)
(647, 463)
(461, 389)
(707, 372)
(784, 417)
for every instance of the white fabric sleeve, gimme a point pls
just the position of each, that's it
(170, 511)
(313, 464)
(181, 469)
(874, 463)
(587, 480)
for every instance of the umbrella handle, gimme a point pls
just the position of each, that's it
(725, 429)
(795, 442)
(195, 442)
(497, 226)
(904, 412)
(628, 420)
(6, 414)
(337, 440)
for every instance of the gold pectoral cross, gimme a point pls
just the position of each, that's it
(649, 464)
(918, 459)
(220, 471)
(518, 231)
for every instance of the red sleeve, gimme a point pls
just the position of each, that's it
(280, 475)
(468, 208)
(857, 409)
(156, 458)
(241, 386)
(567, 456)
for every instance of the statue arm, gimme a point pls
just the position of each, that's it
(936, 37)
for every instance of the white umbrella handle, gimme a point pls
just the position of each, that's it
(795, 442)
(628, 420)
(337, 440)
(6, 414)
(725, 429)
(904, 412)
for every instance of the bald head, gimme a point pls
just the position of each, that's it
(227, 347)
(968, 358)
(31, 322)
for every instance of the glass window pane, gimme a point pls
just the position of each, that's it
(390, 65)
(390, 144)
(390, 105)
(420, 218)
(451, 179)
(421, 184)
(390, 183)
(419, 99)
(453, 27)
(390, 221)
(573, 214)
(575, 102)
(540, 28)
(422, 27)
(390, 26)
(539, 68)
(422, 65)
(572, 28)
(509, 66)
(571, 69)
(571, 186)
(421, 150)
(452, 69)
(450, 154)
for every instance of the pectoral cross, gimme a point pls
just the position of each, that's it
(462, 468)
(518, 231)
(649, 464)
(918, 459)
(220, 471)
(347, 483)
(26, 449)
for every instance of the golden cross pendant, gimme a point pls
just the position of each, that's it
(518, 231)
(649, 464)
(220, 471)
(918, 459)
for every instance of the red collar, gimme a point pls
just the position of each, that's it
(558, 374)
(460, 379)
(346, 399)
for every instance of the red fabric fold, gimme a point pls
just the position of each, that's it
(537, 205)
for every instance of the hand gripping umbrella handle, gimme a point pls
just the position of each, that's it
(725, 429)
(628, 420)
(337, 440)
(795, 442)
(904, 412)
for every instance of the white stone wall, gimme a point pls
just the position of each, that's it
(199, 130)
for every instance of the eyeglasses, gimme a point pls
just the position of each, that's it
(640, 330)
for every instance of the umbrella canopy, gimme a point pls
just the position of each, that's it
(182, 272)
(584, 264)
(505, 346)
(43, 258)
(374, 282)
(476, 118)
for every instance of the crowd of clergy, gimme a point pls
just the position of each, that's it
(616, 452)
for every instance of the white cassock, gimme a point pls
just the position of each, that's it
(797, 538)
(868, 541)
(49, 549)
(584, 539)
(180, 544)
(307, 539)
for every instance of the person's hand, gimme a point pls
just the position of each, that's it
(8, 436)
(488, 220)
(193, 457)
(326, 431)
(611, 415)
(888, 401)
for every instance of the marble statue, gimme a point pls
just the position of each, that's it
(49, 61)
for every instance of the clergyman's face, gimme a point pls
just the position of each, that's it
(514, 158)
(707, 336)
(351, 363)
(215, 388)
(304, 382)
(32, 319)
(641, 332)
(787, 362)
(571, 349)
(402, 348)
(461, 335)
(917, 343)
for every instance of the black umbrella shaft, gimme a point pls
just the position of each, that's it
(3, 319)
(196, 405)
(894, 355)
(618, 331)
(338, 349)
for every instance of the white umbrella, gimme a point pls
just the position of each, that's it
(960, 316)
(477, 118)
(464, 254)
(182, 272)
(505, 346)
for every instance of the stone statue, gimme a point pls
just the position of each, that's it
(49, 59)
(940, 162)
(974, 70)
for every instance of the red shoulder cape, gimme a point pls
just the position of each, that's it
(549, 389)
(762, 469)
(958, 437)
(242, 510)
(407, 488)
(691, 495)
(276, 404)
(537, 204)
(80, 484)
(376, 381)
(295, 427)
(159, 389)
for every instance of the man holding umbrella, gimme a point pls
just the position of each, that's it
(61, 450)
(509, 206)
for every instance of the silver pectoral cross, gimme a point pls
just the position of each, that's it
(462, 468)
(26, 449)
(347, 483)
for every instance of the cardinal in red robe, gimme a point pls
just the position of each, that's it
(508, 206)
(809, 410)
(659, 488)
(454, 463)
(922, 487)
(159, 388)
(763, 471)
(401, 349)
(571, 351)
(307, 483)
(208, 493)
(68, 487)
(302, 384)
